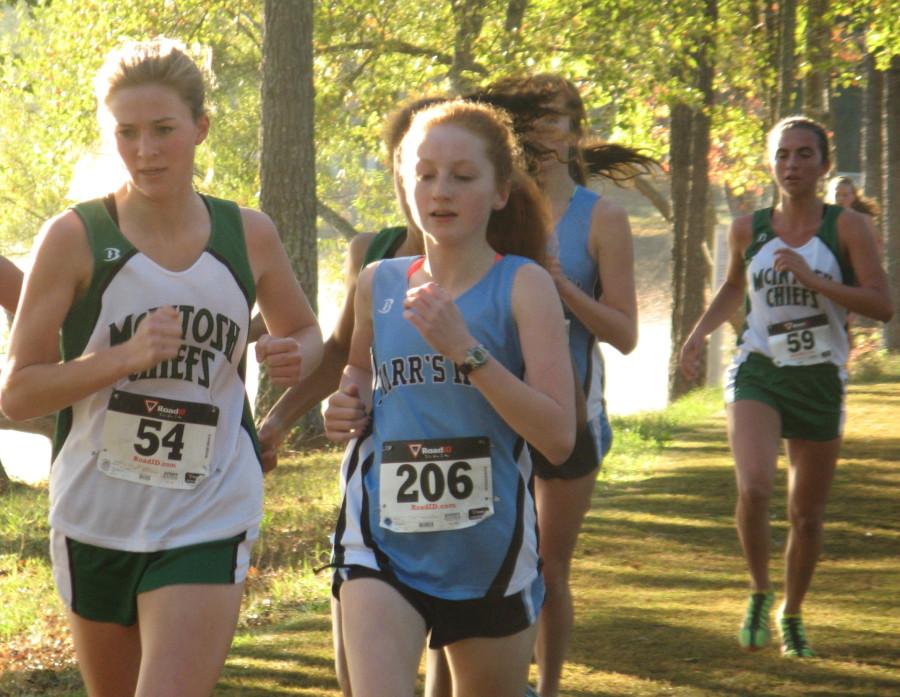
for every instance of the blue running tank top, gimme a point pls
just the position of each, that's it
(573, 235)
(420, 399)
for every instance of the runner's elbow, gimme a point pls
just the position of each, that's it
(558, 448)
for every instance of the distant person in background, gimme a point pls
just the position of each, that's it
(799, 267)
(591, 259)
(843, 192)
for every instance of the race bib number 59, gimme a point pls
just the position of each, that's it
(801, 341)
(159, 442)
(432, 485)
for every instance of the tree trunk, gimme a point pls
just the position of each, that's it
(469, 16)
(787, 29)
(680, 120)
(771, 48)
(892, 198)
(287, 161)
(515, 13)
(816, 81)
(873, 143)
(695, 266)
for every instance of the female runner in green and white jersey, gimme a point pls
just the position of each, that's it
(802, 266)
(156, 485)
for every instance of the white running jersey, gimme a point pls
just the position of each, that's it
(787, 322)
(192, 407)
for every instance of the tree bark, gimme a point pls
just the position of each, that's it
(469, 16)
(873, 142)
(515, 12)
(680, 122)
(695, 266)
(287, 162)
(787, 28)
(816, 82)
(892, 200)
(771, 48)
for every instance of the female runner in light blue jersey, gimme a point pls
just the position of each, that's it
(133, 326)
(801, 266)
(437, 530)
(592, 264)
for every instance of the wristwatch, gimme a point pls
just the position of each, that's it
(476, 357)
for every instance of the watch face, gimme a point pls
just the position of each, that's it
(479, 355)
(476, 357)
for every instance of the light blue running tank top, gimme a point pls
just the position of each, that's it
(419, 395)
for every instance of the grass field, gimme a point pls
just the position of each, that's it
(658, 580)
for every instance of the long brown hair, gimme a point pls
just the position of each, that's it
(521, 226)
(529, 98)
(860, 203)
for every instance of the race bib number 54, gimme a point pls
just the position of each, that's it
(432, 485)
(158, 442)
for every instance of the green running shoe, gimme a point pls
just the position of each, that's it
(793, 636)
(755, 632)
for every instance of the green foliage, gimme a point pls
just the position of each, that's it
(26, 585)
(47, 124)
(869, 360)
(631, 58)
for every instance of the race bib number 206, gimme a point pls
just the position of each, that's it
(158, 442)
(433, 485)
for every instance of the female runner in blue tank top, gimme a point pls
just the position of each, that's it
(591, 260)
(437, 530)
(802, 266)
(363, 249)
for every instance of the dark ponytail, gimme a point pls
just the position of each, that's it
(530, 98)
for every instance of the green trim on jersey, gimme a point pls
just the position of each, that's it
(228, 245)
(111, 250)
(827, 232)
(762, 232)
(384, 244)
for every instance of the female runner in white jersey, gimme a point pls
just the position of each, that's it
(156, 485)
(475, 587)
(802, 265)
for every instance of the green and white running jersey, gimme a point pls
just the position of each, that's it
(787, 322)
(167, 457)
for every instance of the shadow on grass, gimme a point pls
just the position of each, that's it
(655, 647)
(693, 506)
(271, 659)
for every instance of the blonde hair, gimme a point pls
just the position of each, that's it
(159, 61)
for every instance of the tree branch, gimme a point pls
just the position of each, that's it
(394, 46)
(335, 219)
